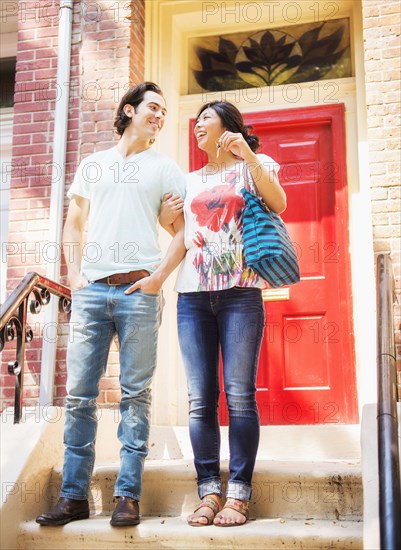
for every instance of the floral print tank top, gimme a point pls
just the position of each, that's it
(213, 211)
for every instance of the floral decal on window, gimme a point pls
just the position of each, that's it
(298, 53)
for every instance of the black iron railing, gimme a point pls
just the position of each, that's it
(33, 292)
(387, 422)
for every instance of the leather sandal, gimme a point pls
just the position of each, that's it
(206, 502)
(240, 506)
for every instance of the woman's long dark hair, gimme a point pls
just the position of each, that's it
(232, 121)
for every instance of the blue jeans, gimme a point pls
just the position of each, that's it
(99, 312)
(231, 320)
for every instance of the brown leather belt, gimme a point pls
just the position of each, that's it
(124, 278)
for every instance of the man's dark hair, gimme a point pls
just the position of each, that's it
(133, 97)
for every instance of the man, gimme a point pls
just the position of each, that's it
(116, 277)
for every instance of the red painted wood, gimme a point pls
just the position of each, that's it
(307, 367)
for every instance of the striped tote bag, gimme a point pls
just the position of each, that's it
(268, 248)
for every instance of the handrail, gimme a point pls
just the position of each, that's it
(387, 422)
(13, 314)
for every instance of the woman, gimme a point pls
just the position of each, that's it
(220, 306)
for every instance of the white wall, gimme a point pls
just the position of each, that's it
(8, 42)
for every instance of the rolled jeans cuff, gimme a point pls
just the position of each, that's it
(126, 494)
(73, 496)
(239, 491)
(210, 487)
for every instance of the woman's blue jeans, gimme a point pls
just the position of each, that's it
(99, 312)
(231, 321)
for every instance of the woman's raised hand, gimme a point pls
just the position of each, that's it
(234, 143)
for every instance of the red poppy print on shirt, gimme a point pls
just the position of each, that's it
(214, 208)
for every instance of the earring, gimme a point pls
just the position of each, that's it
(218, 147)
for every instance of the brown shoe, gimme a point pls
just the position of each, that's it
(126, 512)
(66, 510)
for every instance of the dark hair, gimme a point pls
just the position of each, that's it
(232, 120)
(133, 97)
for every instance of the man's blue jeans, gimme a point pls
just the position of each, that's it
(231, 320)
(99, 312)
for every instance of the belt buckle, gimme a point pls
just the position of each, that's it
(109, 281)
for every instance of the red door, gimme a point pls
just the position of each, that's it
(306, 370)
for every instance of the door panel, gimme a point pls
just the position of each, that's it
(306, 370)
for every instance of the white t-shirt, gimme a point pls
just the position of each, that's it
(213, 210)
(125, 197)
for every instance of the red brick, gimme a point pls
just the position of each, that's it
(22, 140)
(46, 32)
(106, 125)
(24, 76)
(39, 117)
(45, 74)
(29, 86)
(74, 103)
(113, 396)
(30, 128)
(25, 55)
(30, 391)
(26, 34)
(36, 44)
(46, 52)
(73, 123)
(114, 44)
(7, 392)
(98, 137)
(60, 380)
(101, 35)
(21, 119)
(31, 192)
(47, 94)
(24, 66)
(34, 106)
(60, 391)
(30, 150)
(122, 52)
(40, 138)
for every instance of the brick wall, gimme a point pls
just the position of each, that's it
(382, 25)
(107, 56)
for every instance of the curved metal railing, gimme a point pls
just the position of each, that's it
(387, 422)
(13, 322)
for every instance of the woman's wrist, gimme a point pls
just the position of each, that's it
(251, 159)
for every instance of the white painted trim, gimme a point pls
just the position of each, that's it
(8, 44)
(168, 25)
(8, 38)
(6, 132)
(361, 233)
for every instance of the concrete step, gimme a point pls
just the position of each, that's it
(328, 442)
(174, 533)
(294, 490)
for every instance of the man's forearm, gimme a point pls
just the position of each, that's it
(72, 247)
